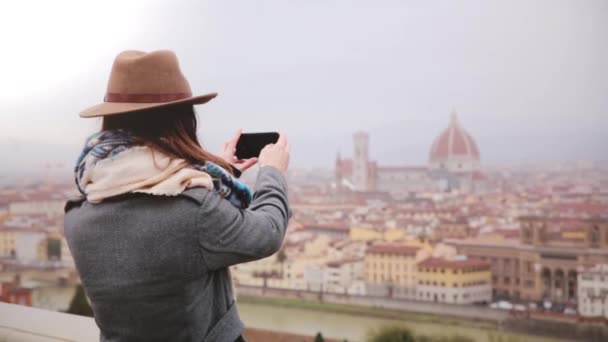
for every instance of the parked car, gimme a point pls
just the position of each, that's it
(504, 305)
(520, 307)
(570, 311)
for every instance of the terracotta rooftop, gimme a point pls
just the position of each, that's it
(392, 249)
(338, 263)
(439, 262)
(332, 227)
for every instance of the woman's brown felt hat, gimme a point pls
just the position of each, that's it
(141, 80)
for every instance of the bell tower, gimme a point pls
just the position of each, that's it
(361, 161)
(339, 173)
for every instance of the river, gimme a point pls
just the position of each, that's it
(343, 326)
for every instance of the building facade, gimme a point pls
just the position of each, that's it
(458, 281)
(541, 265)
(593, 291)
(7, 243)
(345, 276)
(390, 270)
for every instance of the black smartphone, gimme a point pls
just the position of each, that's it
(251, 144)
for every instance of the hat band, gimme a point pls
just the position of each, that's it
(145, 98)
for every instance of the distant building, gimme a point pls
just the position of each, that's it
(344, 276)
(454, 162)
(21, 243)
(369, 234)
(457, 228)
(457, 281)
(390, 269)
(593, 291)
(543, 264)
(7, 243)
(38, 206)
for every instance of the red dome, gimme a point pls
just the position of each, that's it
(454, 141)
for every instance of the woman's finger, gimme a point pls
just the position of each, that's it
(282, 139)
(247, 163)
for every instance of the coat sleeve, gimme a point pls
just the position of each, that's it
(229, 235)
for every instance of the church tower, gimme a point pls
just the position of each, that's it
(361, 161)
(339, 173)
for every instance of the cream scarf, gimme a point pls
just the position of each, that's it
(141, 169)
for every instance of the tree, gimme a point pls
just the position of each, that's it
(392, 334)
(80, 304)
(403, 334)
(455, 338)
(281, 258)
(53, 249)
(319, 338)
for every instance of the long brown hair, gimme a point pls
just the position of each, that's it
(171, 130)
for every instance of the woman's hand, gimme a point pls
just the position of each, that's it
(276, 155)
(229, 151)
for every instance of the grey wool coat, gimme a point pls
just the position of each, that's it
(156, 267)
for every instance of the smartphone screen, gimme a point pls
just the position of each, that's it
(251, 144)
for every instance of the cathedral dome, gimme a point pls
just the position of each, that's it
(454, 149)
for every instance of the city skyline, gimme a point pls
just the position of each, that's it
(445, 176)
(528, 79)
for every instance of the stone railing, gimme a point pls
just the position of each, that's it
(26, 324)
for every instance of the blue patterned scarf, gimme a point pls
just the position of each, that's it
(107, 144)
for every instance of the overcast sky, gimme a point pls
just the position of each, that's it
(529, 79)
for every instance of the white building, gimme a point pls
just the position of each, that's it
(343, 276)
(593, 291)
(27, 242)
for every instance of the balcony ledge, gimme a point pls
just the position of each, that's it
(27, 324)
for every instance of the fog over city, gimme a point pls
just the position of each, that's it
(527, 78)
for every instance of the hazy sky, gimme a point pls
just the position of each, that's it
(529, 79)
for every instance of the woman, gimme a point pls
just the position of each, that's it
(160, 219)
